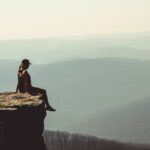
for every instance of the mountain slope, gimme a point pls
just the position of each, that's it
(129, 123)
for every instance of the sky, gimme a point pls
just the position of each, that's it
(48, 18)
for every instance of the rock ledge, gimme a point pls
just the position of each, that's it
(21, 121)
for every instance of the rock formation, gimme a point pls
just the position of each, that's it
(21, 122)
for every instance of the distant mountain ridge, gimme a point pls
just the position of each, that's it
(57, 49)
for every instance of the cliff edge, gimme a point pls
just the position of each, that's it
(21, 122)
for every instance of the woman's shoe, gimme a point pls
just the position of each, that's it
(49, 108)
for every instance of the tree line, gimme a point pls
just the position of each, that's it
(65, 141)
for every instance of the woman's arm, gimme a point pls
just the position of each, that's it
(26, 79)
(17, 88)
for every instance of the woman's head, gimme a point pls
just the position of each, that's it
(25, 63)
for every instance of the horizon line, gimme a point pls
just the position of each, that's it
(77, 36)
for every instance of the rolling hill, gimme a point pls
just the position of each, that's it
(93, 95)
(57, 49)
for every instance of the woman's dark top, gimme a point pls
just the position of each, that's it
(24, 81)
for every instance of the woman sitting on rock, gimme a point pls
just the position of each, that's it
(24, 84)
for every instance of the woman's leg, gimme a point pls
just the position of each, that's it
(36, 90)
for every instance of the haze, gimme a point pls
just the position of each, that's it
(47, 18)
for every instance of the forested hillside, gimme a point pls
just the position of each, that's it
(65, 141)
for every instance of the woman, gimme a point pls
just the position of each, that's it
(24, 84)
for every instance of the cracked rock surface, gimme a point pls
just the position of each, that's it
(10, 100)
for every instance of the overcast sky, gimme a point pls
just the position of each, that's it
(47, 18)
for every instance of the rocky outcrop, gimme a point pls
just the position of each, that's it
(21, 122)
